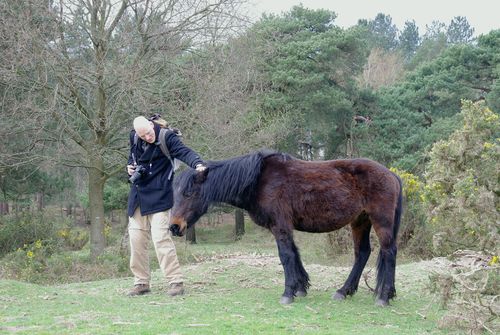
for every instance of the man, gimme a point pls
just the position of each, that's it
(149, 202)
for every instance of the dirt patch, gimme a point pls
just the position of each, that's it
(253, 259)
(323, 278)
(17, 329)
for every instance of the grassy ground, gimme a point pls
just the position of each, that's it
(232, 288)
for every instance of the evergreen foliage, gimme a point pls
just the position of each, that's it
(418, 111)
(409, 40)
(428, 50)
(382, 32)
(311, 66)
(460, 31)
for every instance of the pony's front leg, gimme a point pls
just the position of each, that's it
(361, 237)
(296, 277)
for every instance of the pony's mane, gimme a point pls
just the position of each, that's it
(233, 180)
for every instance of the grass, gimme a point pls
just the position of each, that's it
(232, 288)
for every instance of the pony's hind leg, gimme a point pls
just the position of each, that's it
(296, 277)
(361, 237)
(386, 263)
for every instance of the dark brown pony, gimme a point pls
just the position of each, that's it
(282, 193)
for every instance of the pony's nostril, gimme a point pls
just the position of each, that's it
(174, 229)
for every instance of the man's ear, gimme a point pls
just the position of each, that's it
(201, 176)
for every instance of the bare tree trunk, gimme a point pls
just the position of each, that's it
(39, 197)
(191, 235)
(239, 224)
(97, 177)
(96, 194)
(4, 207)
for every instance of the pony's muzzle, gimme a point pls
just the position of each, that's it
(178, 227)
(175, 230)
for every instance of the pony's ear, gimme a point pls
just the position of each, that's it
(201, 176)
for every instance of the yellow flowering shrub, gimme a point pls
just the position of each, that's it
(462, 184)
(412, 186)
(413, 234)
(74, 238)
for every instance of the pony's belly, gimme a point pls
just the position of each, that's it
(318, 227)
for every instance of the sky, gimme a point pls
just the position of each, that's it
(482, 15)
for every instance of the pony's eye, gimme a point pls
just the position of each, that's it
(187, 193)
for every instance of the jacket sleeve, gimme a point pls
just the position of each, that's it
(178, 150)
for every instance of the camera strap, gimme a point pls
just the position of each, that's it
(166, 152)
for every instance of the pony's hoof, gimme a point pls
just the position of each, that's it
(338, 296)
(286, 300)
(300, 293)
(381, 303)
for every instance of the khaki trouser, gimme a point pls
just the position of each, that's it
(141, 230)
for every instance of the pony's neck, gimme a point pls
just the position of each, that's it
(236, 198)
(234, 181)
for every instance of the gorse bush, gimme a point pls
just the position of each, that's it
(33, 247)
(462, 184)
(37, 263)
(59, 255)
(414, 235)
(17, 231)
(74, 238)
(29, 261)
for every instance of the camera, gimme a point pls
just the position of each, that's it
(139, 170)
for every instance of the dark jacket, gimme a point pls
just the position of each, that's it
(153, 191)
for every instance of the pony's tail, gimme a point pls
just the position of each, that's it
(399, 210)
(386, 262)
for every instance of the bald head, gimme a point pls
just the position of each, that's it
(144, 129)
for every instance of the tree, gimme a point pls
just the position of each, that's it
(24, 176)
(434, 30)
(88, 67)
(382, 68)
(459, 31)
(492, 41)
(239, 224)
(28, 184)
(429, 50)
(383, 32)
(409, 40)
(218, 86)
(311, 66)
(420, 110)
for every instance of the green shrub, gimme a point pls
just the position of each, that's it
(43, 248)
(17, 231)
(36, 263)
(29, 262)
(74, 238)
(462, 184)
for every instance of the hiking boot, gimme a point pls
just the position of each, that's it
(139, 289)
(175, 289)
